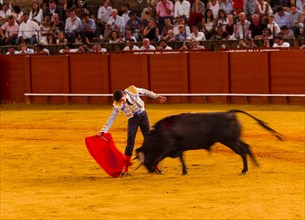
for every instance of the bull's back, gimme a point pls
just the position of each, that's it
(199, 130)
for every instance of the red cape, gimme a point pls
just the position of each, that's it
(104, 151)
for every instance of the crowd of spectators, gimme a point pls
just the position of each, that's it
(186, 21)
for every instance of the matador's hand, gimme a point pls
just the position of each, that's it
(161, 99)
(100, 134)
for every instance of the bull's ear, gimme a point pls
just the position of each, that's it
(141, 157)
(152, 130)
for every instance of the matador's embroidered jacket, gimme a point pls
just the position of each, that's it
(134, 105)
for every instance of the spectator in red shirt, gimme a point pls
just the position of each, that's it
(238, 6)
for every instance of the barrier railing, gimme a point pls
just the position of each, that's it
(185, 77)
(170, 94)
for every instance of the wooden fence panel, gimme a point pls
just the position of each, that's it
(168, 74)
(208, 73)
(287, 72)
(249, 74)
(125, 70)
(50, 74)
(89, 75)
(12, 73)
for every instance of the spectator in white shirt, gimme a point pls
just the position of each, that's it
(279, 42)
(196, 34)
(28, 30)
(17, 13)
(163, 45)
(41, 50)
(131, 45)
(12, 50)
(300, 5)
(4, 13)
(272, 25)
(146, 45)
(180, 22)
(36, 13)
(103, 15)
(182, 9)
(242, 27)
(125, 14)
(97, 48)
(73, 25)
(196, 45)
(24, 48)
(114, 22)
(69, 48)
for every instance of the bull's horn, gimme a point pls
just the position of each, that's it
(138, 166)
(135, 158)
(141, 157)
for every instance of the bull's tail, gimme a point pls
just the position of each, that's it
(263, 124)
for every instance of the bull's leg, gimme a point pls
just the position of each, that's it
(245, 162)
(184, 170)
(248, 150)
(238, 150)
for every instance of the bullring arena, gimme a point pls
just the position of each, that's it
(50, 104)
(47, 172)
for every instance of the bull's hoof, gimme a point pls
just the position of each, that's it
(184, 172)
(243, 173)
(157, 171)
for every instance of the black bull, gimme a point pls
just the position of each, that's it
(173, 135)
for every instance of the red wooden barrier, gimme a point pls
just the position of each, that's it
(249, 73)
(168, 74)
(50, 75)
(128, 69)
(13, 70)
(89, 75)
(195, 72)
(208, 73)
(287, 72)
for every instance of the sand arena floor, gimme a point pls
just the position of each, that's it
(47, 172)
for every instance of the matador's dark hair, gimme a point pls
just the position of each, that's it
(117, 95)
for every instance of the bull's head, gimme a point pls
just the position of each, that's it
(146, 159)
(149, 153)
